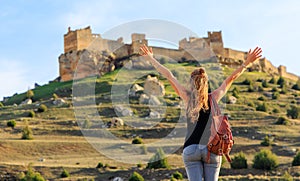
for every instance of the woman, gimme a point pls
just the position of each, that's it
(198, 111)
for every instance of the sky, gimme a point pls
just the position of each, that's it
(31, 33)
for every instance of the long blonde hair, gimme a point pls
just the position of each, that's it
(198, 94)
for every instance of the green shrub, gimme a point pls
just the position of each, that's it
(272, 80)
(27, 133)
(31, 176)
(100, 165)
(87, 124)
(265, 84)
(42, 108)
(136, 177)
(275, 95)
(11, 123)
(137, 140)
(251, 104)
(266, 141)
(262, 107)
(158, 160)
(297, 85)
(177, 175)
(275, 110)
(296, 161)
(64, 174)
(293, 112)
(1, 104)
(247, 82)
(31, 114)
(282, 121)
(265, 160)
(139, 165)
(260, 89)
(239, 161)
(274, 89)
(29, 94)
(251, 88)
(163, 60)
(283, 90)
(281, 81)
(287, 177)
(261, 98)
(55, 96)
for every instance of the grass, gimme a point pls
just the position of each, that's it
(58, 139)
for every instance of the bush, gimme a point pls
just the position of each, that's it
(293, 112)
(272, 81)
(177, 175)
(282, 121)
(163, 60)
(265, 84)
(275, 110)
(262, 107)
(274, 89)
(64, 174)
(27, 132)
(296, 161)
(29, 94)
(281, 81)
(261, 98)
(251, 88)
(266, 141)
(100, 165)
(260, 89)
(137, 140)
(11, 123)
(287, 177)
(32, 176)
(136, 177)
(42, 108)
(31, 114)
(265, 160)
(283, 90)
(247, 82)
(1, 104)
(158, 160)
(296, 86)
(87, 124)
(239, 161)
(55, 96)
(275, 95)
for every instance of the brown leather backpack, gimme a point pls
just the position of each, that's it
(221, 140)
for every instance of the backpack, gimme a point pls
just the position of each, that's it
(221, 140)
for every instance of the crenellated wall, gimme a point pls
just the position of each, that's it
(78, 41)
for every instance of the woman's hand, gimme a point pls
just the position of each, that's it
(146, 51)
(253, 55)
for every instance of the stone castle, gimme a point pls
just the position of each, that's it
(101, 55)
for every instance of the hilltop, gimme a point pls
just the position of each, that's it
(57, 132)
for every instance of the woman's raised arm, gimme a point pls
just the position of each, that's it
(251, 57)
(180, 90)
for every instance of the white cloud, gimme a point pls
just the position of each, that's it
(12, 78)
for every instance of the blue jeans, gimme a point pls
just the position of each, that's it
(194, 158)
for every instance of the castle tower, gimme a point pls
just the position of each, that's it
(137, 41)
(216, 42)
(78, 39)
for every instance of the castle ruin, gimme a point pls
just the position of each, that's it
(101, 57)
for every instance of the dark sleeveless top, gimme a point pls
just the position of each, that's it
(201, 129)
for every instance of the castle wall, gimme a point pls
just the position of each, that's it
(234, 54)
(170, 53)
(282, 71)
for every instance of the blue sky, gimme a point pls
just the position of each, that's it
(31, 33)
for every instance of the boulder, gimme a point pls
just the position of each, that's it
(123, 111)
(26, 102)
(232, 100)
(115, 122)
(153, 86)
(153, 100)
(144, 99)
(135, 88)
(59, 102)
